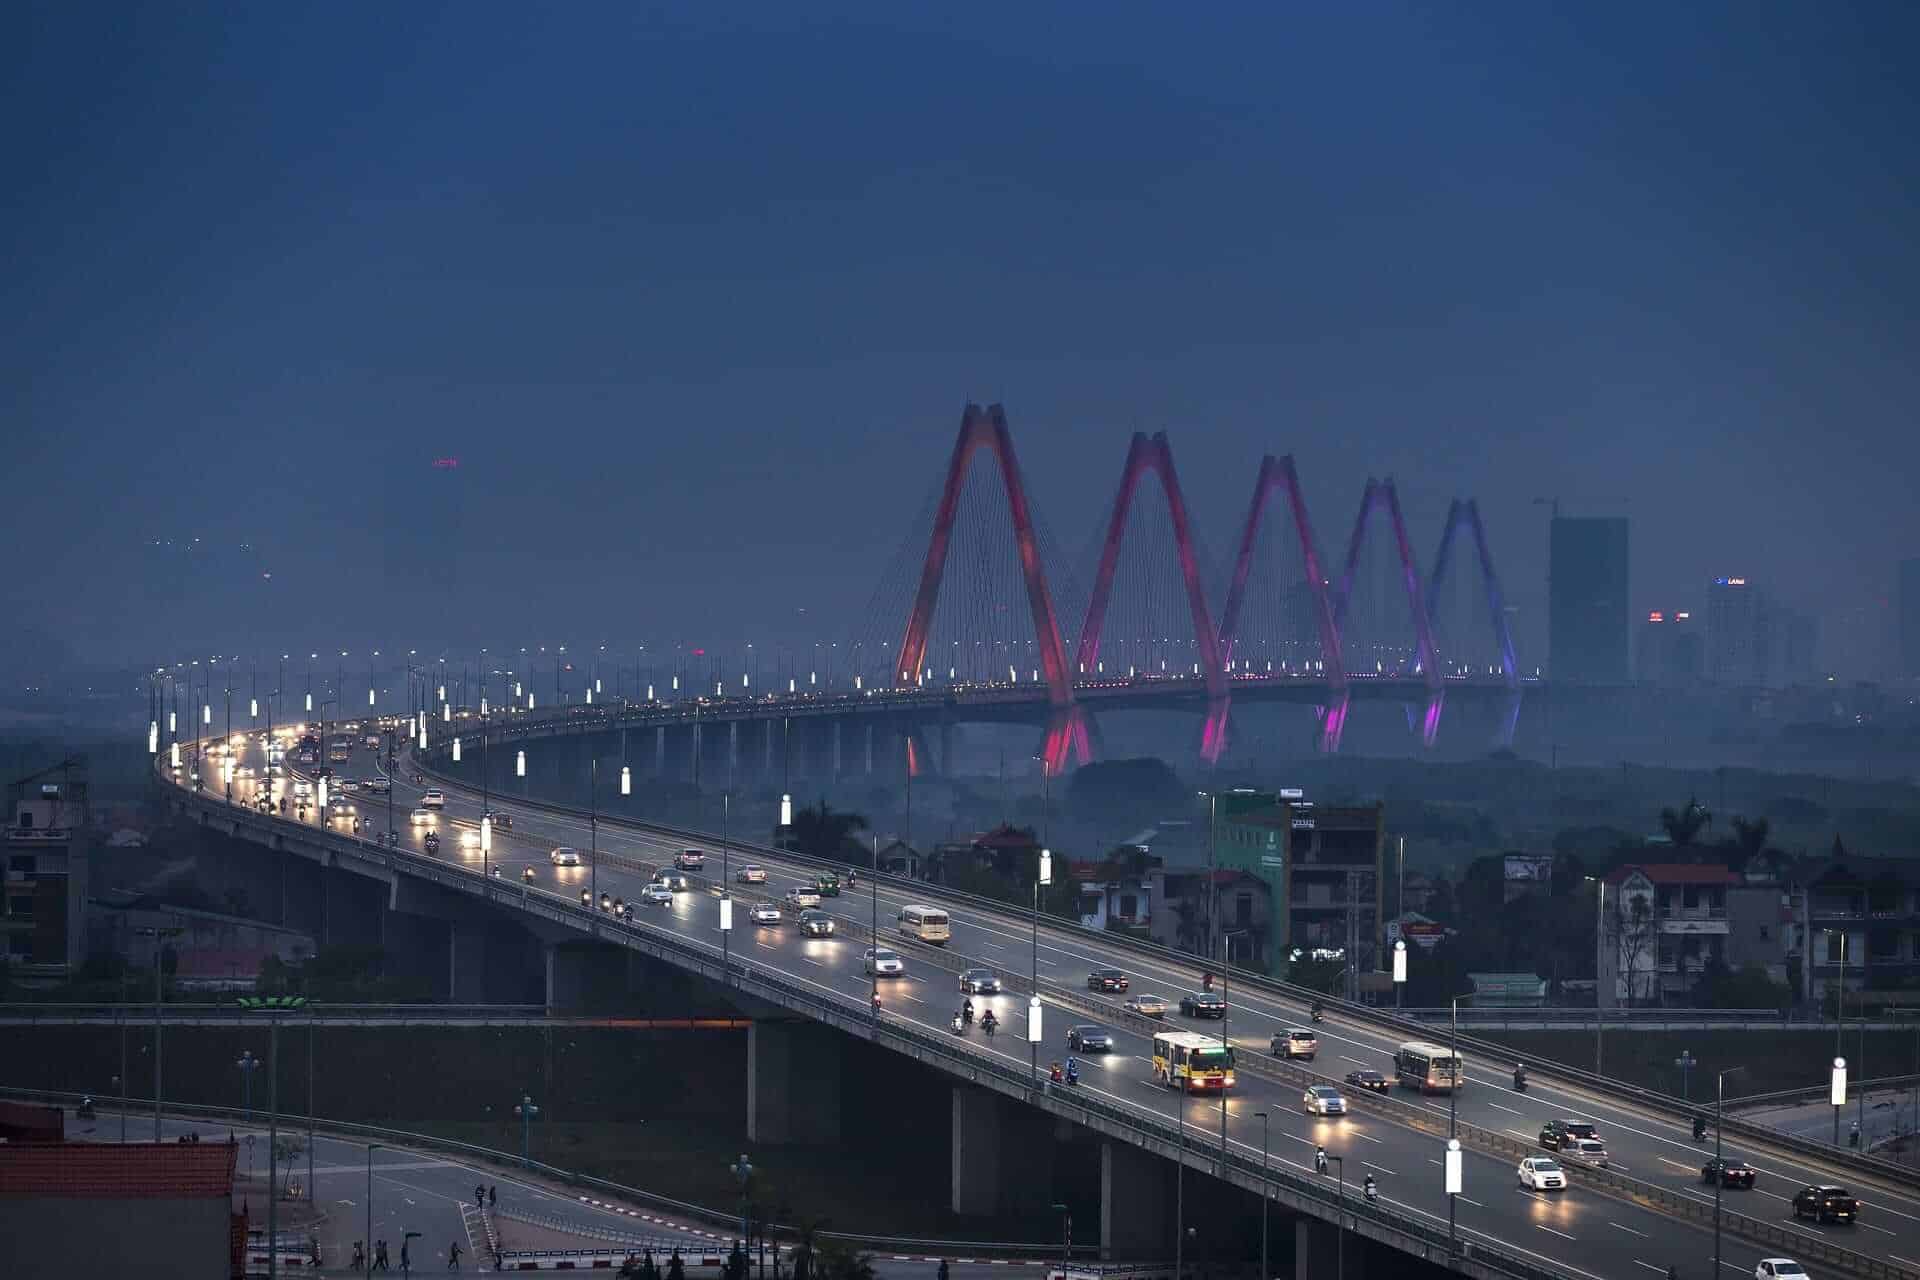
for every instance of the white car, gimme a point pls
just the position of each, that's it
(564, 857)
(657, 894)
(882, 963)
(1590, 1151)
(349, 784)
(422, 817)
(1779, 1269)
(800, 897)
(765, 913)
(751, 874)
(470, 838)
(432, 798)
(1542, 1173)
(1323, 1100)
(690, 859)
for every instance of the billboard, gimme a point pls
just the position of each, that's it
(1529, 867)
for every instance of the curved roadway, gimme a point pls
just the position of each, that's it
(1580, 1231)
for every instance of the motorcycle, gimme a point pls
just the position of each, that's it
(989, 1024)
(959, 1026)
(432, 842)
(1319, 1014)
(85, 1111)
(527, 875)
(1369, 1190)
(1073, 1072)
(1056, 1074)
(1699, 1129)
(1519, 1082)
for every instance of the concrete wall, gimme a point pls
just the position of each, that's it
(793, 1082)
(163, 1239)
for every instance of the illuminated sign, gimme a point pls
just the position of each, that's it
(1731, 582)
(1656, 616)
(445, 464)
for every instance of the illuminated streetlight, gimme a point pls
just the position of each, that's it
(626, 780)
(520, 764)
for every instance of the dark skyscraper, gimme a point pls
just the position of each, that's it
(1909, 618)
(1587, 600)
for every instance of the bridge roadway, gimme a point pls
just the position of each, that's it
(1580, 1232)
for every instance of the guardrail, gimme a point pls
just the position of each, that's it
(1300, 1192)
(1853, 1164)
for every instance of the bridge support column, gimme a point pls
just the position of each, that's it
(467, 962)
(976, 1150)
(660, 751)
(566, 978)
(869, 768)
(733, 746)
(793, 1083)
(1317, 1250)
(696, 755)
(1135, 1189)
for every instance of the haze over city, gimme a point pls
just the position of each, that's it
(695, 300)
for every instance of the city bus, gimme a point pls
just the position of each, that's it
(1187, 1060)
(928, 924)
(1430, 1068)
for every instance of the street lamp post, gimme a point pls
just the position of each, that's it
(1399, 969)
(1837, 1095)
(248, 1064)
(1453, 1123)
(273, 1007)
(1686, 1062)
(1340, 1218)
(1226, 1009)
(159, 936)
(526, 1109)
(742, 1170)
(1066, 1234)
(1042, 876)
(1266, 1195)
(1719, 1168)
(368, 1245)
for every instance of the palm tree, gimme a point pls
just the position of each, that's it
(1683, 825)
(821, 832)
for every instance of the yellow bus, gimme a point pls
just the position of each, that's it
(1187, 1061)
(928, 924)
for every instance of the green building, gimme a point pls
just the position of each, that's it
(1322, 867)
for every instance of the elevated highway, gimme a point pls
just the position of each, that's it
(1650, 1212)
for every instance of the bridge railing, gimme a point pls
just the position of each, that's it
(1855, 1164)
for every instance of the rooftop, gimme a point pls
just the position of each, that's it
(111, 1171)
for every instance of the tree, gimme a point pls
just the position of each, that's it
(1749, 841)
(820, 831)
(1684, 824)
(836, 1261)
(1635, 925)
(1749, 988)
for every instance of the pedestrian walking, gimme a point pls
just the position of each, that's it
(359, 1256)
(493, 1196)
(479, 1196)
(453, 1256)
(406, 1258)
(676, 1269)
(379, 1255)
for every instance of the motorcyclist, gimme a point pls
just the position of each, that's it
(989, 1023)
(1073, 1070)
(1206, 982)
(1519, 1075)
(1699, 1129)
(1320, 1159)
(959, 1022)
(966, 1010)
(1057, 1075)
(1317, 1010)
(1371, 1190)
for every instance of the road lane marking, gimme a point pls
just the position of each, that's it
(1648, 1265)
(1371, 1165)
(1509, 1110)
(1550, 1231)
(1629, 1230)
